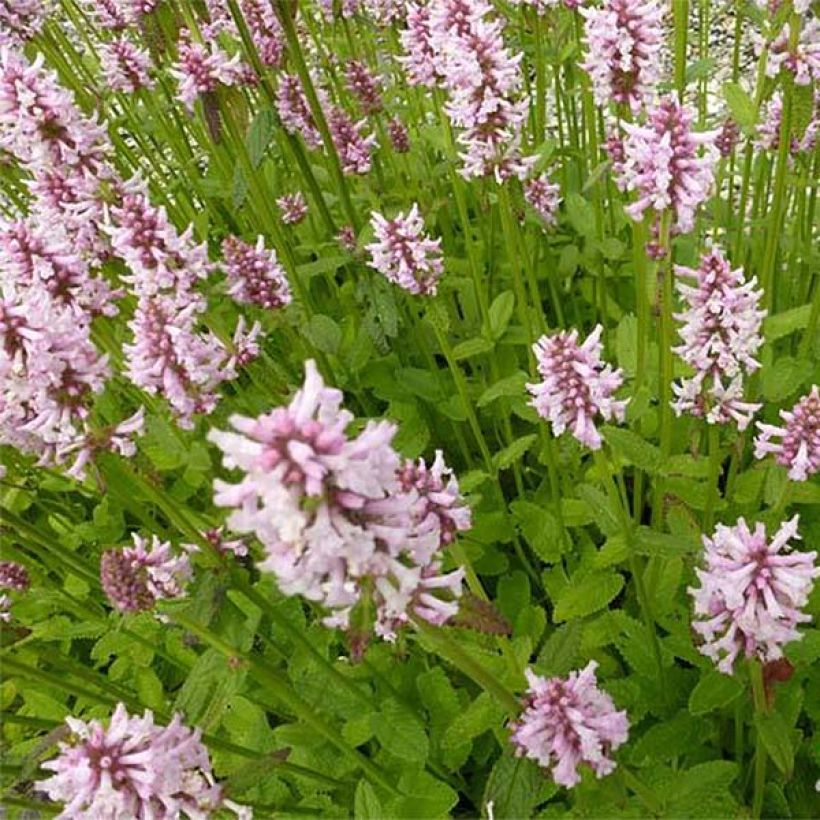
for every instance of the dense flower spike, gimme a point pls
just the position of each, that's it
(125, 66)
(482, 80)
(803, 60)
(255, 275)
(799, 445)
(294, 111)
(14, 576)
(133, 768)
(293, 207)
(135, 578)
(544, 196)
(624, 40)
(405, 254)
(721, 337)
(419, 57)
(727, 138)
(399, 137)
(661, 165)
(201, 69)
(353, 148)
(567, 723)
(337, 523)
(752, 592)
(364, 86)
(577, 385)
(20, 20)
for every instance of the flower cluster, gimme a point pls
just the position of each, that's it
(661, 165)
(15, 577)
(353, 148)
(201, 69)
(261, 21)
(293, 207)
(341, 520)
(482, 80)
(569, 722)
(803, 60)
(133, 768)
(721, 337)
(20, 20)
(364, 86)
(404, 254)
(418, 54)
(294, 111)
(399, 138)
(769, 127)
(799, 445)
(577, 385)
(544, 196)
(255, 275)
(727, 137)
(125, 66)
(751, 593)
(624, 40)
(135, 578)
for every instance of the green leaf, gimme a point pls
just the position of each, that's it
(581, 214)
(784, 376)
(774, 732)
(513, 788)
(587, 595)
(327, 264)
(324, 333)
(626, 343)
(509, 455)
(713, 691)
(539, 528)
(741, 105)
(700, 69)
(366, 803)
(162, 446)
(510, 386)
(482, 714)
(664, 545)
(601, 508)
(472, 347)
(703, 791)
(427, 796)
(400, 732)
(560, 652)
(782, 324)
(259, 135)
(569, 260)
(501, 311)
(675, 737)
(633, 448)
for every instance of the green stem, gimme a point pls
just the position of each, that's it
(680, 14)
(642, 791)
(451, 650)
(714, 476)
(761, 709)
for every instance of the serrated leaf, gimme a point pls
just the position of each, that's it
(482, 714)
(509, 455)
(324, 333)
(664, 545)
(626, 343)
(472, 347)
(400, 732)
(540, 529)
(366, 803)
(584, 596)
(259, 135)
(782, 324)
(774, 732)
(513, 788)
(703, 791)
(426, 796)
(741, 105)
(581, 214)
(668, 739)
(327, 264)
(510, 386)
(713, 691)
(560, 652)
(633, 448)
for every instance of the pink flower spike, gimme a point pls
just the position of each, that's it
(577, 385)
(125, 66)
(405, 254)
(293, 207)
(254, 274)
(752, 593)
(569, 722)
(799, 445)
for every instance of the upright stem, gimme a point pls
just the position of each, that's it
(680, 14)
(761, 708)
(714, 476)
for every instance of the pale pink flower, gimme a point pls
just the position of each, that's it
(663, 167)
(399, 137)
(254, 274)
(125, 66)
(418, 57)
(201, 69)
(293, 207)
(567, 723)
(804, 60)
(133, 768)
(346, 237)
(577, 385)
(294, 111)
(404, 254)
(20, 20)
(752, 592)
(727, 138)
(545, 197)
(364, 86)
(135, 578)
(624, 39)
(799, 445)
(332, 515)
(14, 576)
(721, 337)
(353, 148)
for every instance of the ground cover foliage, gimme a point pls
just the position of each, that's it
(408, 409)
